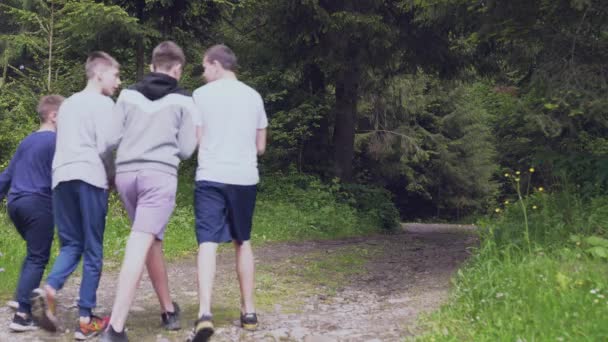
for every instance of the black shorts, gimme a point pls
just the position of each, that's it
(223, 212)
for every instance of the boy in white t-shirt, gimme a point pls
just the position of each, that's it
(232, 133)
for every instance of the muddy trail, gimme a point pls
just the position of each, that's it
(359, 289)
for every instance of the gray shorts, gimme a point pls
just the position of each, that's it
(149, 198)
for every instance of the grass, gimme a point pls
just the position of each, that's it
(284, 212)
(555, 289)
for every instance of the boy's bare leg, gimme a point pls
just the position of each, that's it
(132, 267)
(245, 269)
(206, 275)
(157, 271)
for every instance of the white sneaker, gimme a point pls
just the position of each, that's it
(13, 304)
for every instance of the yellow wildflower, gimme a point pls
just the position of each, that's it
(517, 179)
(517, 173)
(497, 210)
(534, 207)
(531, 170)
(507, 175)
(541, 189)
(507, 202)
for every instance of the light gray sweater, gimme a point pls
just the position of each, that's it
(84, 139)
(154, 134)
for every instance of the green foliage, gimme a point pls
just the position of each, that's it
(428, 99)
(330, 209)
(372, 203)
(552, 219)
(432, 144)
(550, 296)
(557, 291)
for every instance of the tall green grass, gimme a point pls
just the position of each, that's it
(554, 289)
(290, 207)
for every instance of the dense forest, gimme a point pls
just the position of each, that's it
(459, 111)
(433, 101)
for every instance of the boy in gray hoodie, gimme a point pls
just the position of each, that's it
(156, 120)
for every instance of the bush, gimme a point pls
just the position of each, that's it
(373, 206)
(552, 219)
(373, 203)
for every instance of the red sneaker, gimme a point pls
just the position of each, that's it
(84, 331)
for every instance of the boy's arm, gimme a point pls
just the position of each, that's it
(187, 135)
(109, 133)
(260, 137)
(260, 141)
(5, 180)
(198, 117)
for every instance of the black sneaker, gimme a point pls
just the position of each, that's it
(249, 321)
(203, 329)
(20, 324)
(171, 319)
(110, 335)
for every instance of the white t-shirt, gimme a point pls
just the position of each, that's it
(231, 112)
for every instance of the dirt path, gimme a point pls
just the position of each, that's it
(362, 289)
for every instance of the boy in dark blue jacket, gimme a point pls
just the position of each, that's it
(27, 181)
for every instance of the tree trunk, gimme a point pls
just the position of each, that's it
(344, 127)
(4, 68)
(139, 44)
(50, 40)
(316, 154)
(139, 58)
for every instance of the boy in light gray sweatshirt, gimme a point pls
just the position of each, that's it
(157, 132)
(80, 193)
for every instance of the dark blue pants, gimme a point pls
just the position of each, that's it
(80, 213)
(33, 218)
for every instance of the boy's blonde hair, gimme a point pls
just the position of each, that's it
(166, 55)
(48, 104)
(99, 59)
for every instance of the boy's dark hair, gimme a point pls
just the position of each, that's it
(166, 55)
(99, 59)
(223, 55)
(48, 104)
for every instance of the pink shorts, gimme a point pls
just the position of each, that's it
(149, 198)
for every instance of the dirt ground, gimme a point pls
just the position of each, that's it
(360, 289)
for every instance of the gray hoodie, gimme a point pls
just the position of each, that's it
(156, 125)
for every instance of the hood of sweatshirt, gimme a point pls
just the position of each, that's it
(155, 86)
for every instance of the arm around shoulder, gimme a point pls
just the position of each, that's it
(186, 136)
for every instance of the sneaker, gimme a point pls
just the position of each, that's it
(84, 331)
(20, 324)
(13, 304)
(203, 329)
(110, 335)
(249, 321)
(171, 319)
(43, 310)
